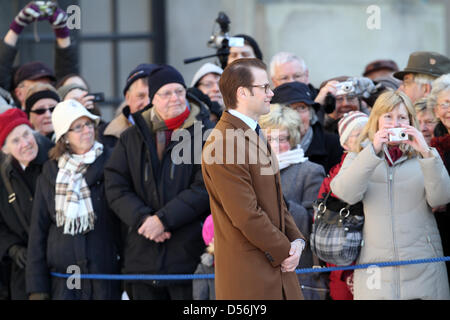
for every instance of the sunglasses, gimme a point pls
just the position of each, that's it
(42, 111)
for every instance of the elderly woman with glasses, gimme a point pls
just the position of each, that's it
(300, 181)
(439, 102)
(72, 227)
(40, 101)
(23, 152)
(426, 119)
(398, 179)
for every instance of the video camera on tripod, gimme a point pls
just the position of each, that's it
(221, 41)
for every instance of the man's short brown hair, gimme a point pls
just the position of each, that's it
(237, 74)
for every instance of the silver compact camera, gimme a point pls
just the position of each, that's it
(346, 87)
(397, 134)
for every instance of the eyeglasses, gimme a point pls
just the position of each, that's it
(444, 105)
(79, 127)
(167, 94)
(266, 87)
(43, 110)
(279, 139)
(209, 84)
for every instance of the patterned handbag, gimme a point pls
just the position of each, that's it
(336, 235)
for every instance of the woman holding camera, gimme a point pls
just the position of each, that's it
(398, 182)
(72, 227)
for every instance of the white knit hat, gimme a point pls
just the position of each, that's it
(349, 122)
(204, 70)
(66, 113)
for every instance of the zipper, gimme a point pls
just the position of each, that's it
(391, 203)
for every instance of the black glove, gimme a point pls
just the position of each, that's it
(19, 255)
(213, 106)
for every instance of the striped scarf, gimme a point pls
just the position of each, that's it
(73, 204)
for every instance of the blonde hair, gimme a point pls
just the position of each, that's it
(386, 102)
(282, 117)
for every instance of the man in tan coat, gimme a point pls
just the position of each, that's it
(257, 244)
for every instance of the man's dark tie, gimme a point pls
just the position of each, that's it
(258, 129)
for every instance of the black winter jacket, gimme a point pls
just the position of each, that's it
(49, 250)
(325, 148)
(139, 185)
(14, 225)
(14, 230)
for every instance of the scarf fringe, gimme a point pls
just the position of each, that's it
(76, 225)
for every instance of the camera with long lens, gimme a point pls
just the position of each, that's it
(360, 87)
(221, 41)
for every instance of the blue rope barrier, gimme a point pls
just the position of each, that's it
(211, 276)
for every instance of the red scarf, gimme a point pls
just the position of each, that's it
(395, 154)
(176, 122)
(442, 144)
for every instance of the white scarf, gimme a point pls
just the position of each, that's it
(73, 204)
(292, 156)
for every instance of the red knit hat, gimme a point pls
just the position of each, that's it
(10, 119)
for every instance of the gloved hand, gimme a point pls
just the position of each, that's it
(213, 106)
(58, 20)
(26, 16)
(19, 255)
(39, 296)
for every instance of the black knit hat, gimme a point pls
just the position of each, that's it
(252, 44)
(141, 71)
(162, 75)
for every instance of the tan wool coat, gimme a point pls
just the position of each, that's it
(253, 229)
(399, 224)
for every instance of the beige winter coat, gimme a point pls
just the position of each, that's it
(399, 223)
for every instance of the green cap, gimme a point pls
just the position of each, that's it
(426, 62)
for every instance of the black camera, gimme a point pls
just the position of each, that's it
(98, 97)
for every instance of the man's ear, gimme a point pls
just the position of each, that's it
(426, 89)
(127, 96)
(20, 94)
(241, 92)
(5, 149)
